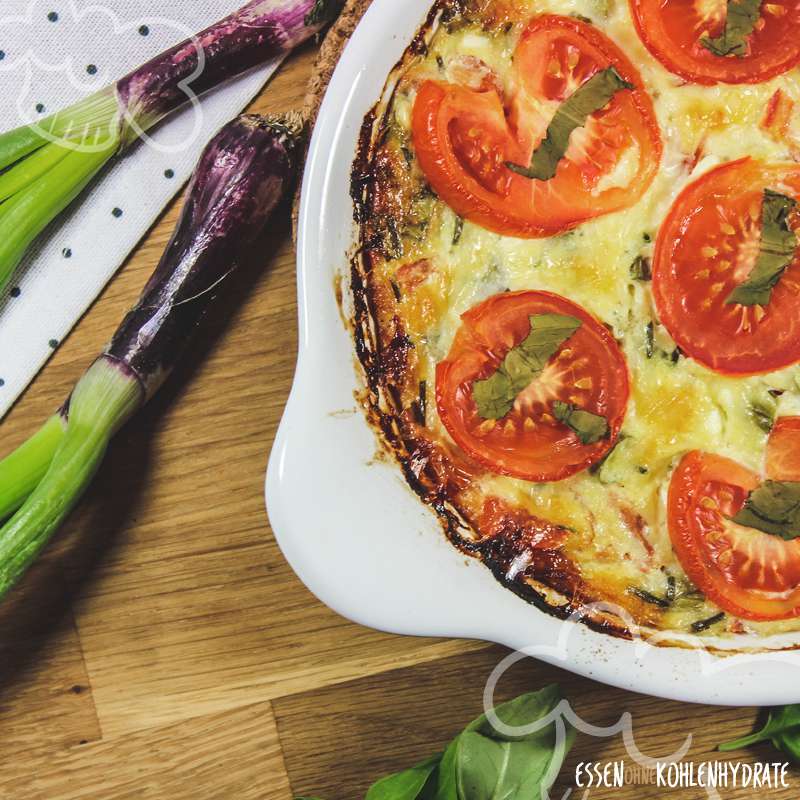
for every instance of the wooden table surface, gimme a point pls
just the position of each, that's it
(163, 648)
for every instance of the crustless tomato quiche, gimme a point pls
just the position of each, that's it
(577, 300)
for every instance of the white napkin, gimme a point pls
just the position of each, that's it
(53, 53)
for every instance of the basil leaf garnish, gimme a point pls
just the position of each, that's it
(592, 96)
(495, 395)
(782, 729)
(774, 507)
(406, 785)
(483, 764)
(588, 427)
(778, 246)
(739, 24)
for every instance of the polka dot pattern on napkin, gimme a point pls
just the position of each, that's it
(70, 50)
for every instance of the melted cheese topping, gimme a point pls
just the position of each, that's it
(675, 406)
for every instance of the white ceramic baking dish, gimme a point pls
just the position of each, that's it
(347, 522)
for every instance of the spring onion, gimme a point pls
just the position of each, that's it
(243, 173)
(46, 165)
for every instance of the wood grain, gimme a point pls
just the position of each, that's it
(143, 656)
(234, 754)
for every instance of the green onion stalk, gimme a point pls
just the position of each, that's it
(45, 166)
(243, 174)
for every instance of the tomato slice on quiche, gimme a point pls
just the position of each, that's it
(741, 41)
(783, 450)
(534, 386)
(726, 268)
(745, 571)
(578, 138)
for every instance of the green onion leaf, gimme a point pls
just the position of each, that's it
(592, 96)
(103, 400)
(740, 22)
(640, 269)
(649, 340)
(774, 507)
(25, 215)
(704, 624)
(21, 471)
(588, 427)
(776, 253)
(495, 396)
(458, 229)
(31, 169)
(763, 415)
(649, 597)
(18, 143)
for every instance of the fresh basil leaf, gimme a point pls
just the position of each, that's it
(776, 253)
(490, 764)
(774, 507)
(588, 427)
(446, 788)
(592, 96)
(495, 395)
(782, 729)
(406, 785)
(739, 24)
(482, 763)
(488, 769)
(520, 712)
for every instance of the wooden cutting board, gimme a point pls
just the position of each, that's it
(164, 649)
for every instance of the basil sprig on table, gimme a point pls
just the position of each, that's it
(778, 247)
(588, 427)
(782, 729)
(592, 96)
(740, 22)
(483, 764)
(495, 395)
(405, 785)
(774, 507)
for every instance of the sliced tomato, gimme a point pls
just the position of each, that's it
(588, 371)
(465, 137)
(744, 571)
(783, 450)
(673, 31)
(707, 245)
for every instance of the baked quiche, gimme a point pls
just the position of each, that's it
(577, 301)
